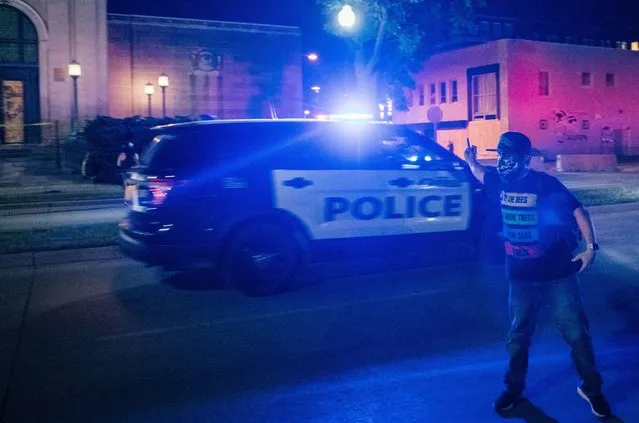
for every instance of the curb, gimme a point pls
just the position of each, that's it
(62, 203)
(48, 258)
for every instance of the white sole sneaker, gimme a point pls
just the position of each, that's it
(585, 397)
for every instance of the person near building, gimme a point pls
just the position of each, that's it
(126, 160)
(542, 223)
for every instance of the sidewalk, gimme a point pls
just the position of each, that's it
(52, 189)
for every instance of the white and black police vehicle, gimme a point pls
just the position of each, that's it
(260, 198)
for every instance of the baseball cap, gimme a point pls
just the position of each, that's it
(513, 142)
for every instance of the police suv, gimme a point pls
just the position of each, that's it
(260, 198)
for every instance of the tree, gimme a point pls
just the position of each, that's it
(392, 38)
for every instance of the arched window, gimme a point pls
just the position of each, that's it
(18, 38)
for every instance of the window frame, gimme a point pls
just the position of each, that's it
(443, 92)
(478, 71)
(454, 92)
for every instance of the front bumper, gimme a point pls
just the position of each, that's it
(169, 255)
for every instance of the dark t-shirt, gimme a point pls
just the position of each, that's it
(538, 224)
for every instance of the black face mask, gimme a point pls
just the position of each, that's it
(512, 168)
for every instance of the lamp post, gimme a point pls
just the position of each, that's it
(75, 71)
(163, 82)
(149, 89)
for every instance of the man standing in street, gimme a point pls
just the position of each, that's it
(541, 222)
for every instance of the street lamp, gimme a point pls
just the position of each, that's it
(346, 17)
(163, 82)
(312, 57)
(75, 71)
(316, 89)
(149, 89)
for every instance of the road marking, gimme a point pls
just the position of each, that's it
(161, 331)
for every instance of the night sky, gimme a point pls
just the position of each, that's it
(307, 15)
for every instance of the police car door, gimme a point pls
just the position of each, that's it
(333, 187)
(431, 190)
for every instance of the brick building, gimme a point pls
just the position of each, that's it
(233, 70)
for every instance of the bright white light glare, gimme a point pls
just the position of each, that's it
(381, 107)
(346, 17)
(312, 57)
(352, 116)
(412, 158)
(75, 69)
(163, 80)
(307, 112)
(428, 158)
(316, 88)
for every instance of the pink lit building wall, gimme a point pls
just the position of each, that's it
(567, 98)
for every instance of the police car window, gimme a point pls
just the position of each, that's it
(396, 148)
(183, 151)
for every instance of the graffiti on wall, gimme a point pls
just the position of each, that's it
(568, 126)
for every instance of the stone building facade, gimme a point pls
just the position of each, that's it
(232, 70)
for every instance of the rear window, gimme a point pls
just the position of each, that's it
(185, 151)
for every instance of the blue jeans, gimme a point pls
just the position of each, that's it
(564, 298)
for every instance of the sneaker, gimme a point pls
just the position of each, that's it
(506, 401)
(598, 404)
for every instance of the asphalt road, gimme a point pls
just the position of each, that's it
(363, 341)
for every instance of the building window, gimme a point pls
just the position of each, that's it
(586, 79)
(420, 90)
(543, 124)
(484, 96)
(433, 94)
(18, 38)
(610, 80)
(484, 29)
(508, 30)
(544, 84)
(585, 125)
(496, 30)
(634, 46)
(442, 92)
(411, 98)
(453, 91)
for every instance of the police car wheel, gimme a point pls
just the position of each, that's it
(264, 259)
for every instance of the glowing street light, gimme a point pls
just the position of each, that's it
(75, 72)
(346, 17)
(316, 89)
(312, 57)
(149, 90)
(163, 82)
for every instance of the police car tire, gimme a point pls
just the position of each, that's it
(285, 240)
